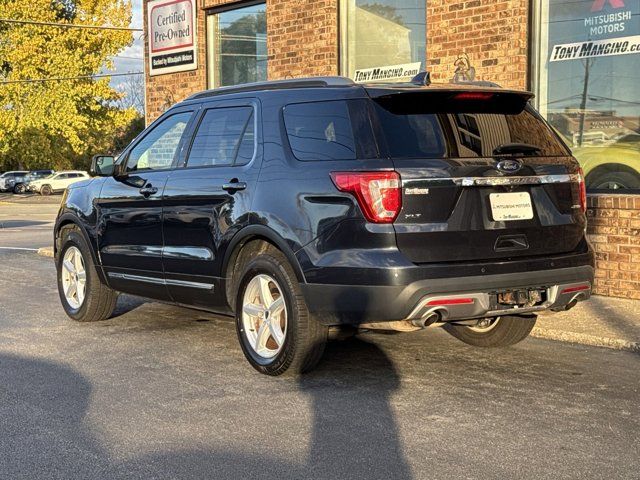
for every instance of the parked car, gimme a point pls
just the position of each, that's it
(20, 185)
(615, 166)
(57, 182)
(305, 205)
(8, 179)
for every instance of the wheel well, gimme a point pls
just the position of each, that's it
(258, 243)
(56, 243)
(608, 168)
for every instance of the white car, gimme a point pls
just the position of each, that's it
(57, 182)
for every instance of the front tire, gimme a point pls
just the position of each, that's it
(614, 181)
(20, 188)
(499, 332)
(83, 296)
(275, 330)
(46, 190)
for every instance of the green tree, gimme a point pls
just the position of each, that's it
(60, 124)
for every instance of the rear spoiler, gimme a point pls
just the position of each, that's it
(415, 100)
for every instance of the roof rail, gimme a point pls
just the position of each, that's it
(307, 82)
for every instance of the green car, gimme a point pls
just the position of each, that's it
(614, 166)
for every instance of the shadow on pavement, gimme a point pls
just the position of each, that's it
(616, 319)
(126, 304)
(354, 433)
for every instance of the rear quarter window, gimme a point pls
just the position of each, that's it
(331, 130)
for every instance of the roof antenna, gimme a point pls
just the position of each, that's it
(423, 78)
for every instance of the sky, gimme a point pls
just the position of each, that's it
(131, 59)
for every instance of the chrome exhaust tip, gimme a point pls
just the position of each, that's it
(574, 301)
(428, 319)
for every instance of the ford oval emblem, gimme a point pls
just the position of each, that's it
(509, 166)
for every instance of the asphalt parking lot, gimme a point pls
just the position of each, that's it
(164, 392)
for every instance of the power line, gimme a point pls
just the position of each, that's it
(59, 79)
(69, 25)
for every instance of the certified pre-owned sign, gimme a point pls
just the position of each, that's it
(172, 36)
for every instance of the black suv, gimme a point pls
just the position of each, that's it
(304, 205)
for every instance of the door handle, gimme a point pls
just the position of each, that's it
(148, 190)
(234, 185)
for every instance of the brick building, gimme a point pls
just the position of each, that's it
(580, 58)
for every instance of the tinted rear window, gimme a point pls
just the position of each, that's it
(408, 133)
(333, 130)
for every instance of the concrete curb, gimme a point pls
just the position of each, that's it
(585, 339)
(46, 252)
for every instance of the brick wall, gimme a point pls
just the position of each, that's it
(493, 33)
(614, 231)
(302, 38)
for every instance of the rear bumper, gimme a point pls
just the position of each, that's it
(356, 304)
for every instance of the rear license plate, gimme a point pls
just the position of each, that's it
(511, 206)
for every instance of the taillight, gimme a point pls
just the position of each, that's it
(583, 191)
(378, 193)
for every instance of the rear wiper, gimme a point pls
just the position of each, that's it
(506, 148)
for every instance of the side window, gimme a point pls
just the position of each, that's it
(225, 136)
(332, 130)
(158, 147)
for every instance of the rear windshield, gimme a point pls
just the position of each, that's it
(465, 134)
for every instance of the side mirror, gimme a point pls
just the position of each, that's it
(102, 166)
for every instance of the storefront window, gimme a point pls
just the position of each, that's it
(382, 33)
(586, 80)
(237, 45)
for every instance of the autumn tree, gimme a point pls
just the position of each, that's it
(60, 123)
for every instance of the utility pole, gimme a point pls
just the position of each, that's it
(583, 103)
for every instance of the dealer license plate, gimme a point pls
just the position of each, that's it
(511, 206)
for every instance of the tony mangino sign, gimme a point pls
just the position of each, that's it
(172, 36)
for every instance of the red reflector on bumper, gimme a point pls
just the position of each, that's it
(575, 289)
(451, 301)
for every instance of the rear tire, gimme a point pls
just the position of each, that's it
(46, 190)
(294, 342)
(98, 301)
(19, 189)
(503, 332)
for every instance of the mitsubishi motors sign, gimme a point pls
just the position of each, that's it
(172, 36)
(609, 28)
